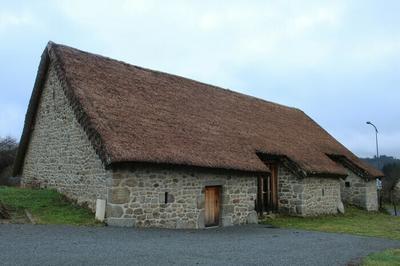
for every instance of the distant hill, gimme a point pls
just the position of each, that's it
(382, 161)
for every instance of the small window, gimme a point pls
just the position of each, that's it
(323, 192)
(166, 197)
(347, 184)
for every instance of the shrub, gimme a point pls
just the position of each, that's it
(8, 152)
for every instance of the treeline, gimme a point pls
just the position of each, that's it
(390, 167)
(8, 152)
(392, 176)
(381, 161)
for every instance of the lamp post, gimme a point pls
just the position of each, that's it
(376, 139)
(379, 187)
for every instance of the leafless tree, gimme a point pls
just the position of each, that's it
(8, 151)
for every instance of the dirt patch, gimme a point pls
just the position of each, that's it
(4, 212)
(355, 262)
(12, 216)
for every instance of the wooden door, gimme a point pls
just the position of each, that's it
(267, 194)
(273, 187)
(212, 205)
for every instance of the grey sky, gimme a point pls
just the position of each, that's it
(338, 61)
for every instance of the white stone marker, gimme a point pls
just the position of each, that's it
(100, 209)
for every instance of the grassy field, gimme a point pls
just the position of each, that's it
(385, 258)
(354, 221)
(46, 206)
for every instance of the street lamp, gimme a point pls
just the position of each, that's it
(376, 138)
(379, 187)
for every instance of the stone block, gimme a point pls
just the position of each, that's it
(200, 220)
(181, 224)
(200, 202)
(298, 188)
(119, 195)
(114, 211)
(252, 217)
(299, 209)
(228, 208)
(170, 198)
(138, 211)
(340, 207)
(121, 222)
(130, 182)
(115, 182)
(227, 221)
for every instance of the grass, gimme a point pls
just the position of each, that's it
(385, 258)
(354, 221)
(46, 206)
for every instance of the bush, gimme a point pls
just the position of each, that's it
(8, 152)
(392, 176)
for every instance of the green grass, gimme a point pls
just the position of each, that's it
(46, 206)
(385, 258)
(354, 221)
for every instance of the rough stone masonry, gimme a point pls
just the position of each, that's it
(174, 198)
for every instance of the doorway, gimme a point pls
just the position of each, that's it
(267, 193)
(212, 205)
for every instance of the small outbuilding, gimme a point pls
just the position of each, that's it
(167, 151)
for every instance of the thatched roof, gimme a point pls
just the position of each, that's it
(132, 114)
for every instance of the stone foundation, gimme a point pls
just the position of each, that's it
(138, 197)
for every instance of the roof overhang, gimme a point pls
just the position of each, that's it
(343, 160)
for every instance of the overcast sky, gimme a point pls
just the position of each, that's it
(339, 61)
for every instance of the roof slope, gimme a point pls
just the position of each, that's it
(141, 115)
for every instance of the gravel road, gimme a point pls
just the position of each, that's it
(249, 245)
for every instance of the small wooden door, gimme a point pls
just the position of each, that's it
(267, 198)
(212, 205)
(273, 188)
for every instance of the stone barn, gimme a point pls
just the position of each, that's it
(167, 151)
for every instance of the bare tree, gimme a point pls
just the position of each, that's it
(8, 151)
(8, 143)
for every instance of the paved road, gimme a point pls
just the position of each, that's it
(66, 245)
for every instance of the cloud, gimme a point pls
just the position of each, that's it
(10, 113)
(10, 20)
(364, 142)
(209, 40)
(292, 35)
(336, 60)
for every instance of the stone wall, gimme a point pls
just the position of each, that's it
(356, 191)
(289, 192)
(307, 196)
(59, 154)
(321, 195)
(137, 197)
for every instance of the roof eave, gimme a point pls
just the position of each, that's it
(353, 167)
(127, 164)
(326, 174)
